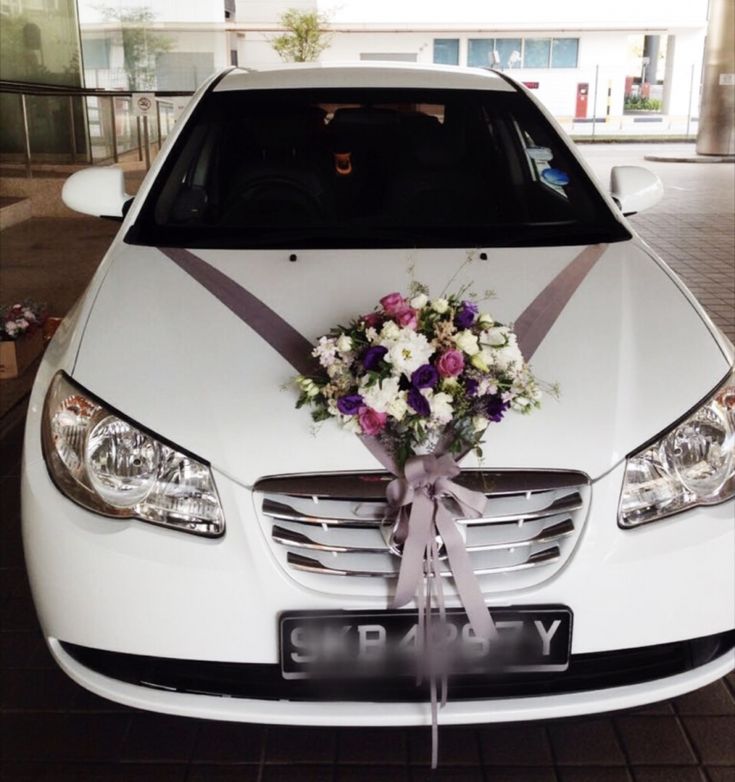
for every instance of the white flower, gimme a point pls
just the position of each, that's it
(371, 334)
(308, 386)
(441, 408)
(495, 337)
(380, 395)
(29, 315)
(10, 328)
(22, 323)
(344, 344)
(466, 341)
(507, 357)
(479, 423)
(486, 386)
(485, 319)
(352, 424)
(440, 306)
(325, 351)
(410, 351)
(419, 302)
(521, 403)
(390, 332)
(398, 407)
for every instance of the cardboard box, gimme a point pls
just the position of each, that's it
(16, 355)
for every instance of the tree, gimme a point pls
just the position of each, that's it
(141, 46)
(305, 37)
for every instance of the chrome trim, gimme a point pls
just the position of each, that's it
(287, 537)
(279, 510)
(370, 486)
(300, 562)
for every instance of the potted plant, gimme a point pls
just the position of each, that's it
(21, 336)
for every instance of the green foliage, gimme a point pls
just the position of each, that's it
(305, 38)
(637, 103)
(141, 45)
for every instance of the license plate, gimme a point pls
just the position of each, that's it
(345, 644)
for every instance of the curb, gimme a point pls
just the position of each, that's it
(690, 159)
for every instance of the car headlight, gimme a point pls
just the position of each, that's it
(110, 466)
(691, 464)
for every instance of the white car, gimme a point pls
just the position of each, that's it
(182, 523)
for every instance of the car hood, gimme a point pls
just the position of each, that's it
(628, 349)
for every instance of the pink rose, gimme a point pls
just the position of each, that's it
(406, 317)
(450, 364)
(371, 421)
(392, 303)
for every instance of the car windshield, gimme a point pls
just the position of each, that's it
(292, 168)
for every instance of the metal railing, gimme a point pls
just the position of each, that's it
(44, 124)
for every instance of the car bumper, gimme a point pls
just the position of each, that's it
(133, 588)
(362, 713)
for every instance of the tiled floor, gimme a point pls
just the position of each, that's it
(53, 730)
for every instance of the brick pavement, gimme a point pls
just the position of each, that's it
(54, 731)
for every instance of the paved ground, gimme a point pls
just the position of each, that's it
(54, 731)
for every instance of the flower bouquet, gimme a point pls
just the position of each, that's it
(420, 374)
(21, 336)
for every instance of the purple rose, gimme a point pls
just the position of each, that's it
(424, 377)
(471, 386)
(350, 404)
(465, 316)
(495, 408)
(418, 403)
(373, 356)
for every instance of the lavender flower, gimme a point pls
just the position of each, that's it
(418, 403)
(495, 408)
(350, 404)
(372, 357)
(465, 317)
(424, 377)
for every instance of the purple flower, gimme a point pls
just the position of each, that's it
(495, 407)
(424, 377)
(465, 316)
(418, 403)
(373, 356)
(471, 385)
(350, 404)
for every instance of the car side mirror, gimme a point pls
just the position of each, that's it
(635, 188)
(98, 191)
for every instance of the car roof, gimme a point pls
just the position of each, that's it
(362, 74)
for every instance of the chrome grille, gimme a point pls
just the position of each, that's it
(330, 525)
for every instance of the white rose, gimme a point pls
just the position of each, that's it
(398, 407)
(467, 342)
(440, 306)
(389, 333)
(420, 301)
(495, 337)
(441, 408)
(352, 424)
(485, 319)
(507, 357)
(344, 344)
(380, 395)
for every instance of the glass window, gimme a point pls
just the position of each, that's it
(446, 51)
(509, 52)
(536, 52)
(358, 167)
(480, 52)
(564, 52)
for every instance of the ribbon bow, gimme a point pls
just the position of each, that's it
(420, 500)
